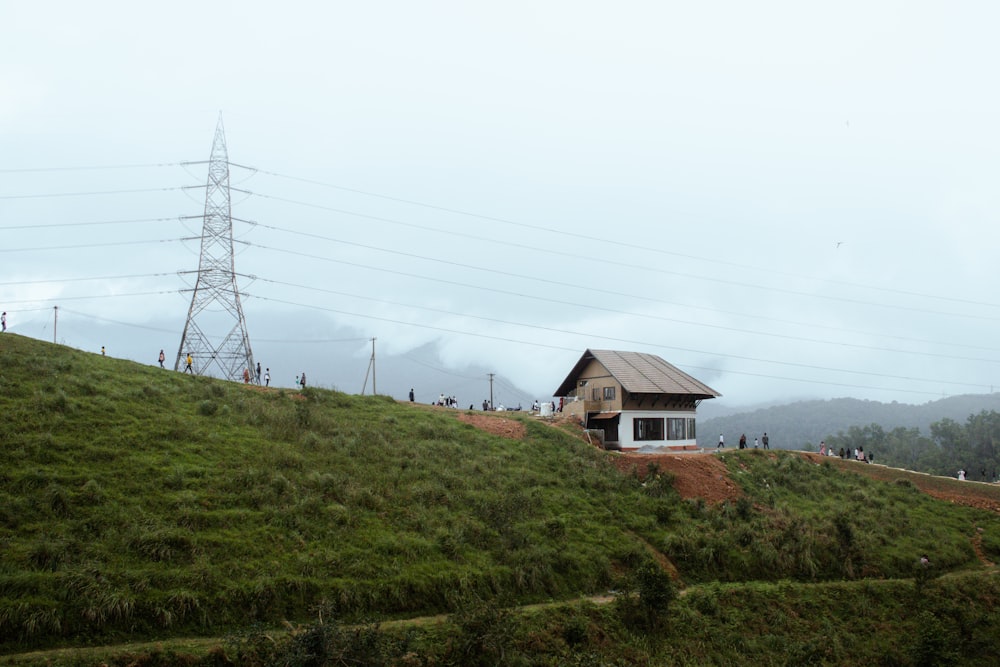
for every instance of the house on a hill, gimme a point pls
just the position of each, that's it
(637, 399)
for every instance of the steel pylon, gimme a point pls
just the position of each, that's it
(215, 302)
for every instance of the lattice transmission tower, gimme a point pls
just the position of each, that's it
(215, 303)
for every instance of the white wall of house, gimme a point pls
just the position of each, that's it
(627, 429)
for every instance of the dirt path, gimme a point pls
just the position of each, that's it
(200, 646)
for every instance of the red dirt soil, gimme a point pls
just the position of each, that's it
(506, 428)
(695, 475)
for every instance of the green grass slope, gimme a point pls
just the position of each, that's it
(143, 504)
(134, 499)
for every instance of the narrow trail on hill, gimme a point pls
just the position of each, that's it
(977, 546)
(202, 645)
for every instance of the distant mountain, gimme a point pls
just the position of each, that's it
(804, 423)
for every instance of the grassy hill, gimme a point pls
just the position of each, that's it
(138, 504)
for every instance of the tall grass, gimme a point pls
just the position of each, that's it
(128, 506)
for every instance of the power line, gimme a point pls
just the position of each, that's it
(653, 317)
(628, 265)
(522, 324)
(90, 193)
(439, 369)
(506, 221)
(591, 289)
(641, 315)
(607, 241)
(25, 170)
(87, 224)
(535, 228)
(620, 340)
(310, 341)
(495, 320)
(576, 349)
(118, 322)
(88, 297)
(536, 297)
(86, 278)
(80, 246)
(523, 246)
(535, 344)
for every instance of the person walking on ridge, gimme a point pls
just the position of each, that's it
(161, 358)
(188, 368)
(764, 441)
(267, 378)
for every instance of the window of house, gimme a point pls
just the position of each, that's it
(675, 428)
(609, 393)
(647, 428)
(690, 427)
(595, 394)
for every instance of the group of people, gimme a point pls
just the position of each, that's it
(858, 454)
(452, 402)
(757, 442)
(963, 475)
(251, 375)
(446, 401)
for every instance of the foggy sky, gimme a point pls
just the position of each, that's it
(785, 201)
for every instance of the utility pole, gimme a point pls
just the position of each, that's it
(371, 369)
(55, 322)
(216, 284)
(491, 390)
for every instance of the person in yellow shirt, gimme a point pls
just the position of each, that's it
(189, 362)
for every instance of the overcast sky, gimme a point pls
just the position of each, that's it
(785, 199)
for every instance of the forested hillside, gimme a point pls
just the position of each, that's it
(803, 425)
(948, 447)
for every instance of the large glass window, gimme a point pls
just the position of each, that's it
(647, 428)
(691, 433)
(675, 428)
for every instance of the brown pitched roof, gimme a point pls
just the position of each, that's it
(639, 373)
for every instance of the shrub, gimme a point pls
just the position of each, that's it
(645, 603)
(484, 633)
(935, 642)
